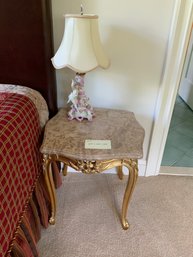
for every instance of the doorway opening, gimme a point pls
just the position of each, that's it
(178, 150)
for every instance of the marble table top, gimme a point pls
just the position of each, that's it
(67, 138)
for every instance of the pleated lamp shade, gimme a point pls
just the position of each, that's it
(81, 49)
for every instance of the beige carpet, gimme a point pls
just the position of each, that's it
(88, 221)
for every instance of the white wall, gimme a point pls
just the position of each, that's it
(134, 34)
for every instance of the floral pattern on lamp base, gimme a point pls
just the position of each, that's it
(80, 108)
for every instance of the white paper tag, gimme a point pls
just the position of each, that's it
(97, 144)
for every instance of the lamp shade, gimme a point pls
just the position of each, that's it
(81, 49)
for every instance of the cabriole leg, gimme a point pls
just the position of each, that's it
(120, 172)
(47, 169)
(132, 178)
(64, 170)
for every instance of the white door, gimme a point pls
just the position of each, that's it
(186, 84)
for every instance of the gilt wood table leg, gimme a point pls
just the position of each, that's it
(64, 170)
(120, 172)
(47, 169)
(133, 174)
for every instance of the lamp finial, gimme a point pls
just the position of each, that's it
(81, 9)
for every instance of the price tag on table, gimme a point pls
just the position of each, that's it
(97, 144)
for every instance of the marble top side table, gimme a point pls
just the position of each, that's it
(118, 137)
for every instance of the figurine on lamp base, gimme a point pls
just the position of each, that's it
(80, 108)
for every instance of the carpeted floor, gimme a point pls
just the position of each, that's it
(88, 219)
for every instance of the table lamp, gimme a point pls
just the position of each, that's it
(81, 51)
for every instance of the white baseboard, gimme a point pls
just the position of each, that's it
(141, 166)
(176, 171)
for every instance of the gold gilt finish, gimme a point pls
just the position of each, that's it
(64, 142)
(91, 167)
(47, 170)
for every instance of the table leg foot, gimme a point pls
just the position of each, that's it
(125, 224)
(133, 174)
(52, 220)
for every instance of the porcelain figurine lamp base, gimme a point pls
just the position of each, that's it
(80, 108)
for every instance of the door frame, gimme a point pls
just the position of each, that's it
(176, 51)
(185, 87)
